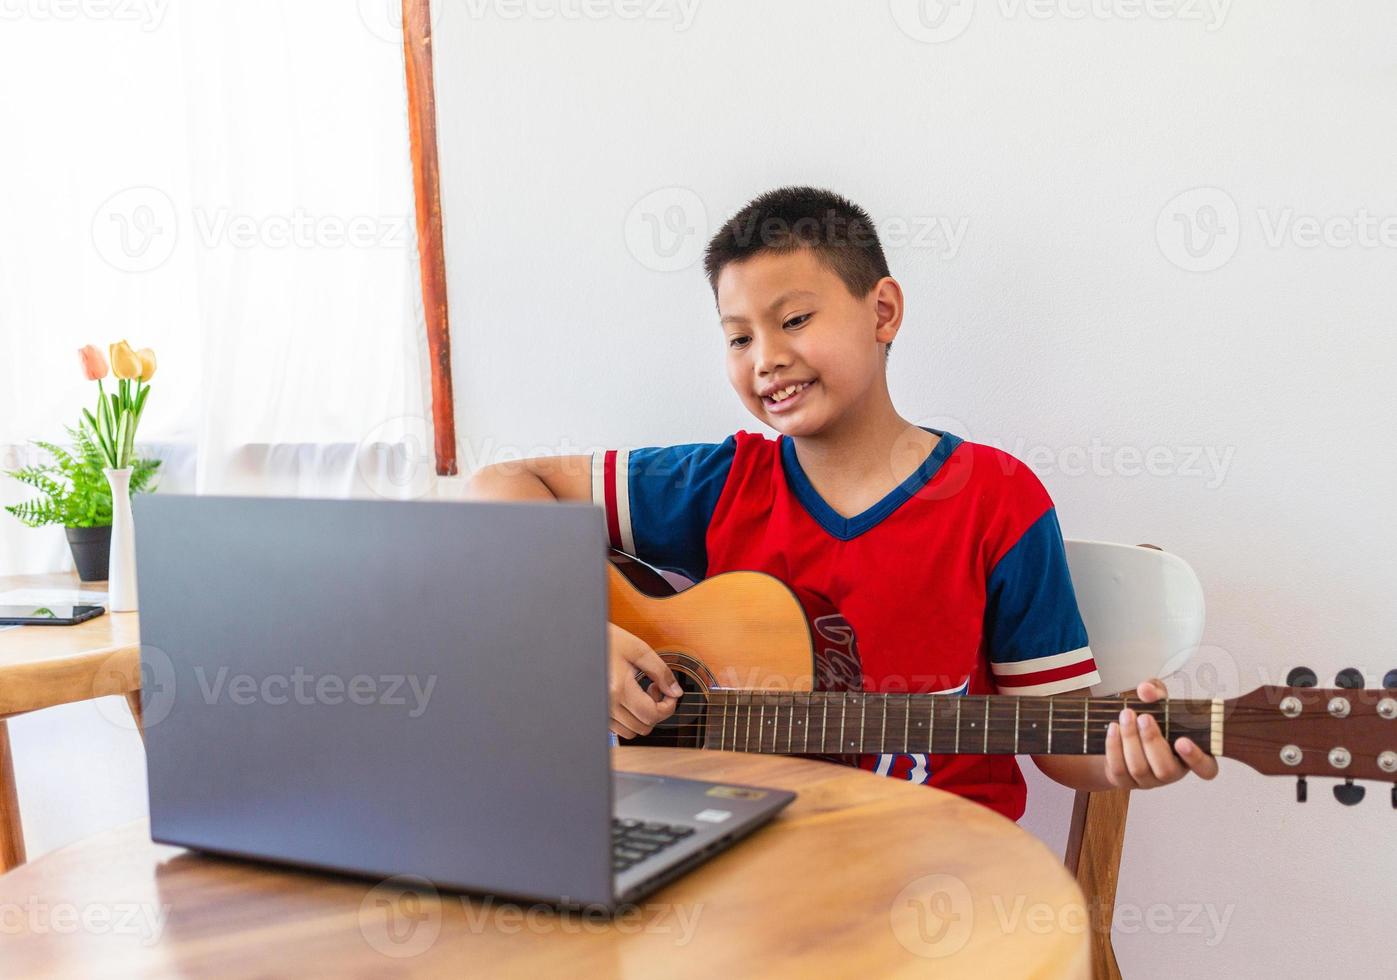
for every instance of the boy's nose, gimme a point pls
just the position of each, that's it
(770, 357)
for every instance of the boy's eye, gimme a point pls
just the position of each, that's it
(737, 341)
(797, 321)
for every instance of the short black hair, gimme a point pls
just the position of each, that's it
(838, 231)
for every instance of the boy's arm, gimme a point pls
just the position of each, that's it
(1137, 756)
(634, 711)
(541, 478)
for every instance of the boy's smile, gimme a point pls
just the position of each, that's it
(802, 350)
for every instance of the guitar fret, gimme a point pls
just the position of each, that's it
(907, 720)
(931, 733)
(761, 723)
(884, 746)
(824, 722)
(1050, 726)
(843, 710)
(987, 726)
(723, 727)
(1016, 725)
(863, 717)
(957, 748)
(791, 726)
(807, 723)
(1086, 712)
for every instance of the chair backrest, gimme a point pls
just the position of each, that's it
(1143, 610)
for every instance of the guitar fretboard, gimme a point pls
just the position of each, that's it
(854, 723)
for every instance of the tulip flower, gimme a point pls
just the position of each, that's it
(147, 359)
(125, 364)
(94, 365)
(118, 414)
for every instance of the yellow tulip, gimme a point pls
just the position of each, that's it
(147, 358)
(125, 364)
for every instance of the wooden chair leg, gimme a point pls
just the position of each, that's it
(133, 701)
(1094, 847)
(11, 828)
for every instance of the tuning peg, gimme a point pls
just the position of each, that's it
(1348, 792)
(1389, 680)
(1300, 677)
(1349, 678)
(1302, 791)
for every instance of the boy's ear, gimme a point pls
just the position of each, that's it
(887, 308)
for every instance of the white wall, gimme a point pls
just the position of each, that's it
(1063, 317)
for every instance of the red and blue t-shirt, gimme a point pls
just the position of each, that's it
(955, 582)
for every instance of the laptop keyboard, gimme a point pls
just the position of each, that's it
(633, 841)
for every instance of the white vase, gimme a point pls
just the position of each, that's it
(121, 572)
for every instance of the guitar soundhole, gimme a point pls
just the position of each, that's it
(684, 728)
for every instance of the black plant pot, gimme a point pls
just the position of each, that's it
(91, 547)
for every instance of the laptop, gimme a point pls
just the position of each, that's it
(391, 688)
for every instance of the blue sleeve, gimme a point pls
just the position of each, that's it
(1034, 635)
(660, 499)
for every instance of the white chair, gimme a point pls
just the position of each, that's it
(1143, 610)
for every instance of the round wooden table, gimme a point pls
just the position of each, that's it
(860, 876)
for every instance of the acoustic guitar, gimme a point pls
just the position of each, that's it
(740, 648)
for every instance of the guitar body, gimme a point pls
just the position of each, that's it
(734, 630)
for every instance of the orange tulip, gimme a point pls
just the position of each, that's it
(125, 364)
(94, 365)
(147, 358)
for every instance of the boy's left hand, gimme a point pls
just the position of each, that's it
(1138, 757)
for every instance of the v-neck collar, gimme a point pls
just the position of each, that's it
(843, 527)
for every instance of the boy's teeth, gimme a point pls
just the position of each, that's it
(785, 393)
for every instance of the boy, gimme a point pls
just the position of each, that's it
(924, 563)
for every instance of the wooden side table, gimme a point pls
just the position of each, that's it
(861, 876)
(43, 666)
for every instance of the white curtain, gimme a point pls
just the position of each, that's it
(229, 183)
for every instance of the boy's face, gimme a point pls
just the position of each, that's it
(789, 319)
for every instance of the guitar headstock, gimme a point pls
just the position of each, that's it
(1347, 732)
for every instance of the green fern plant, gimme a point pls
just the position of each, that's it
(73, 490)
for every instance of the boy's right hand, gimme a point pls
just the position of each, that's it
(634, 710)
